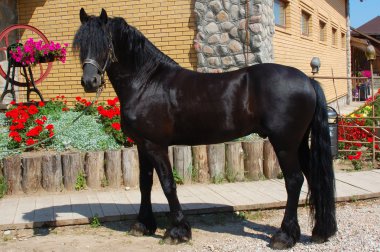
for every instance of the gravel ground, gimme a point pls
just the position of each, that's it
(358, 223)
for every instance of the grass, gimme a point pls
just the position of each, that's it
(177, 178)
(95, 222)
(80, 183)
(3, 186)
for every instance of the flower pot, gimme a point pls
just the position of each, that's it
(46, 58)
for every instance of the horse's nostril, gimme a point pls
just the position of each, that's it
(94, 81)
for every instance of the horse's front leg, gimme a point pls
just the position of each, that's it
(146, 223)
(180, 230)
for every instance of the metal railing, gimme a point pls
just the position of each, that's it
(359, 135)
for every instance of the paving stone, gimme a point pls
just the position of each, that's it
(78, 208)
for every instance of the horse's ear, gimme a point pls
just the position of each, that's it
(103, 16)
(83, 16)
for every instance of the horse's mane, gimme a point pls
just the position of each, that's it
(130, 45)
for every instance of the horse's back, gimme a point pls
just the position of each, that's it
(220, 107)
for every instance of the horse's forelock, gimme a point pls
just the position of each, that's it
(91, 37)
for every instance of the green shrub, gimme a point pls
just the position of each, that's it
(85, 134)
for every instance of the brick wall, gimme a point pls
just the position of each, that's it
(169, 24)
(294, 49)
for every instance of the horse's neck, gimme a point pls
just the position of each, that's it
(153, 53)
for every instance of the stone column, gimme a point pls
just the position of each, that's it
(232, 34)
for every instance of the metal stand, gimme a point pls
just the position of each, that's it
(10, 79)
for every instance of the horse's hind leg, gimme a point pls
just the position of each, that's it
(289, 233)
(146, 223)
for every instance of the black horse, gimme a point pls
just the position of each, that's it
(164, 104)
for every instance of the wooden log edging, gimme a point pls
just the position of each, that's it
(53, 172)
(94, 169)
(234, 162)
(71, 167)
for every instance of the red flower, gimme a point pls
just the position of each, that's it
(32, 110)
(370, 139)
(377, 146)
(116, 126)
(350, 157)
(112, 102)
(51, 134)
(13, 102)
(34, 131)
(17, 139)
(88, 104)
(44, 118)
(78, 98)
(130, 140)
(65, 109)
(14, 134)
(39, 121)
(49, 127)
(30, 141)
(41, 104)
(100, 108)
(18, 126)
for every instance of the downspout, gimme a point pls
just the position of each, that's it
(348, 54)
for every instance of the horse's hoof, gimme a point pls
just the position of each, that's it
(178, 234)
(318, 239)
(281, 240)
(139, 229)
(319, 236)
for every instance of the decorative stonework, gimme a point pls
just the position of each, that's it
(222, 42)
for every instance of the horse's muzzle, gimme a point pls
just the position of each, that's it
(91, 84)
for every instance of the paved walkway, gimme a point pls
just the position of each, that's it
(79, 207)
(347, 109)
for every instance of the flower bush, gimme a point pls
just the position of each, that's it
(354, 133)
(33, 52)
(109, 116)
(27, 125)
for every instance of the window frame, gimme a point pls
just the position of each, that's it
(322, 31)
(334, 36)
(308, 20)
(343, 39)
(284, 5)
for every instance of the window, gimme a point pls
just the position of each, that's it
(322, 31)
(280, 12)
(334, 41)
(343, 40)
(305, 23)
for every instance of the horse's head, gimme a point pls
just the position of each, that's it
(94, 43)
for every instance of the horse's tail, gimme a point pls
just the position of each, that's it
(321, 176)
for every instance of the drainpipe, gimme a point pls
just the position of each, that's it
(348, 54)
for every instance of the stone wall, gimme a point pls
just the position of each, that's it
(232, 34)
